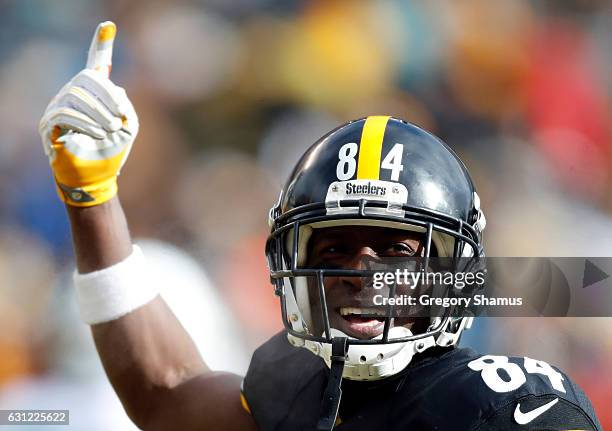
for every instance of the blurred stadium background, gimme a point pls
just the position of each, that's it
(230, 93)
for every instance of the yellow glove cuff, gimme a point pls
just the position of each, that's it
(88, 196)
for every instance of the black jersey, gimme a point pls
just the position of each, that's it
(444, 389)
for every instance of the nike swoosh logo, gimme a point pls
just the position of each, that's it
(524, 418)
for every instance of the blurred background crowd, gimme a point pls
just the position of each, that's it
(230, 93)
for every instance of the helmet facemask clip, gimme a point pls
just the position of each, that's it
(333, 392)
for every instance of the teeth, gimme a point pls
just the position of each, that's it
(371, 311)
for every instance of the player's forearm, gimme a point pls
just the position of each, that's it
(146, 354)
(100, 235)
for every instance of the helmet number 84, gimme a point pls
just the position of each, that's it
(347, 164)
(490, 365)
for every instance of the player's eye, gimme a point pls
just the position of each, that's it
(400, 249)
(333, 249)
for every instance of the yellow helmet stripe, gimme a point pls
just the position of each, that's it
(370, 147)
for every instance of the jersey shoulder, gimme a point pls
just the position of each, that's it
(277, 374)
(502, 392)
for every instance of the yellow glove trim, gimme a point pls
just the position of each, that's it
(88, 196)
(84, 183)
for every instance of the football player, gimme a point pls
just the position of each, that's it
(372, 191)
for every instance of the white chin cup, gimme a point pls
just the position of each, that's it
(373, 361)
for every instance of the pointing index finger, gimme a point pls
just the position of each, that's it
(101, 48)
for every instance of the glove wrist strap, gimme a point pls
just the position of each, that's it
(88, 196)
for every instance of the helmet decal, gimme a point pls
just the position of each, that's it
(370, 148)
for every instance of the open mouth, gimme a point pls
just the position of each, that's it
(370, 313)
(361, 322)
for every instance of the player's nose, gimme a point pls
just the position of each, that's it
(360, 260)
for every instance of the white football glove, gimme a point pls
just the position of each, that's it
(89, 127)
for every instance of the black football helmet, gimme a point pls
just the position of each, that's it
(376, 171)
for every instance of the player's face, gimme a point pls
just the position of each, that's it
(351, 247)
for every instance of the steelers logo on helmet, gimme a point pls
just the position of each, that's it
(385, 176)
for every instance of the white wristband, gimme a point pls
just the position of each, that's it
(115, 291)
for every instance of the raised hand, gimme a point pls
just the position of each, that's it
(89, 127)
